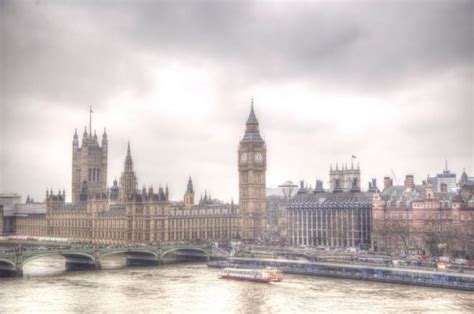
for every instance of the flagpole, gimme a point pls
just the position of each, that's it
(90, 121)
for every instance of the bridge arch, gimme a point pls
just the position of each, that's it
(130, 252)
(7, 268)
(176, 249)
(66, 255)
(102, 255)
(7, 262)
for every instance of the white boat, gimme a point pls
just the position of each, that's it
(255, 275)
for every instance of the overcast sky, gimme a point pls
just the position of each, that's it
(388, 82)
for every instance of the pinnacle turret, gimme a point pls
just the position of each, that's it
(75, 141)
(104, 136)
(128, 179)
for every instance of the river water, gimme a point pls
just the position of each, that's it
(192, 287)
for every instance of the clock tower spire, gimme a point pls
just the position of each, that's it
(252, 172)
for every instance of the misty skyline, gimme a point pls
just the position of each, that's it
(390, 82)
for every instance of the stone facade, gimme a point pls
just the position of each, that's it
(89, 165)
(145, 217)
(330, 219)
(340, 217)
(252, 156)
(124, 214)
(277, 227)
(30, 219)
(345, 179)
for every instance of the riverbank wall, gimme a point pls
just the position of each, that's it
(437, 279)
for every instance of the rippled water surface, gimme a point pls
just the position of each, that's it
(184, 288)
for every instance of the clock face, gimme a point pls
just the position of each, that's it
(258, 157)
(243, 157)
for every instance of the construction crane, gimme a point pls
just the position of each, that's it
(395, 177)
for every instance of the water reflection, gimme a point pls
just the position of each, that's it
(185, 288)
(45, 266)
(114, 261)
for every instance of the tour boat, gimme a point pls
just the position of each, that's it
(255, 275)
(275, 274)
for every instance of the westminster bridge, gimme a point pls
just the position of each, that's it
(90, 258)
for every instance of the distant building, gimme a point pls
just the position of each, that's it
(330, 219)
(338, 218)
(466, 192)
(415, 219)
(271, 191)
(445, 181)
(465, 179)
(20, 218)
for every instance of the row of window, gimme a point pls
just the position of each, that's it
(422, 215)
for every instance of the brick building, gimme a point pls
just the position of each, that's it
(415, 219)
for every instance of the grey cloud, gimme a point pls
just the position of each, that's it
(63, 54)
(88, 51)
(59, 57)
(353, 44)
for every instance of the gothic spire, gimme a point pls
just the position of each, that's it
(75, 139)
(252, 133)
(104, 136)
(252, 118)
(190, 188)
(128, 160)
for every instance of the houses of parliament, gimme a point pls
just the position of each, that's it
(123, 213)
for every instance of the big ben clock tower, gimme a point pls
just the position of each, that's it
(252, 171)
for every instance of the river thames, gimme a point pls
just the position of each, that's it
(192, 287)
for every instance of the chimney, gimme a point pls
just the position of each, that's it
(409, 182)
(387, 183)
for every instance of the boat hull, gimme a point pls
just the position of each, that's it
(261, 280)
